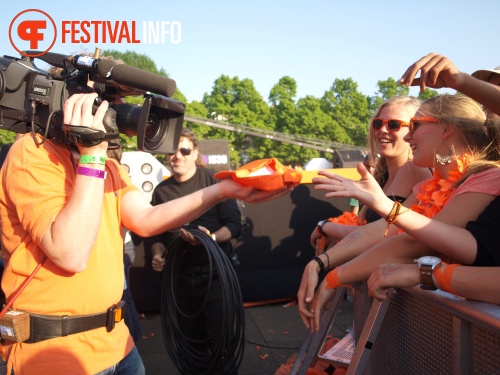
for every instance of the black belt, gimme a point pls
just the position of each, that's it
(44, 327)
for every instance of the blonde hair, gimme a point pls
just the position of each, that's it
(467, 117)
(410, 104)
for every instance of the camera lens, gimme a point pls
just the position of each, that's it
(156, 128)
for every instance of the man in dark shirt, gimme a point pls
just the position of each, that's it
(222, 222)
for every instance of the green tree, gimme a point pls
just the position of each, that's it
(389, 88)
(238, 102)
(348, 108)
(6, 137)
(427, 94)
(311, 122)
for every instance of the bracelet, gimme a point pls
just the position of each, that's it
(213, 237)
(91, 172)
(328, 259)
(444, 277)
(320, 262)
(393, 215)
(90, 159)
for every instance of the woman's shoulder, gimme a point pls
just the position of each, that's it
(409, 175)
(416, 173)
(483, 182)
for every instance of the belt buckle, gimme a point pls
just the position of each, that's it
(114, 314)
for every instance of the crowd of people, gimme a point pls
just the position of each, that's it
(433, 196)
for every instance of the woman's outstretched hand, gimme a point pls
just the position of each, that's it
(367, 190)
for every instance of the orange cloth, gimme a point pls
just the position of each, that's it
(332, 279)
(263, 174)
(35, 186)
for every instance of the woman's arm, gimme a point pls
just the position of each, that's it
(478, 283)
(444, 233)
(438, 71)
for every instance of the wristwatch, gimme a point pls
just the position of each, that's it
(320, 226)
(426, 265)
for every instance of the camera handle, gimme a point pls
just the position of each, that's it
(89, 137)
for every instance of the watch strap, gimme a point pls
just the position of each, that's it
(426, 277)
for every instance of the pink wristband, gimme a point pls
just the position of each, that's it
(91, 172)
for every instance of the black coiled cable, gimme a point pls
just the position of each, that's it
(227, 353)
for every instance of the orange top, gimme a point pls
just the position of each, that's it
(263, 174)
(36, 183)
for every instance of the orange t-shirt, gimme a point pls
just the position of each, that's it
(35, 186)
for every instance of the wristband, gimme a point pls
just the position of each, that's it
(320, 262)
(332, 280)
(443, 276)
(213, 237)
(90, 159)
(91, 172)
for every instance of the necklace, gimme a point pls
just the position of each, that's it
(435, 192)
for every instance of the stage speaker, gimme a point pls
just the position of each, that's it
(347, 158)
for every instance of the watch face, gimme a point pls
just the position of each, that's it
(430, 260)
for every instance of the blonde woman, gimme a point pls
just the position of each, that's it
(395, 171)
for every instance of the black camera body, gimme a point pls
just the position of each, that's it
(32, 100)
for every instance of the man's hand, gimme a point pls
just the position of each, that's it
(78, 112)
(232, 189)
(158, 261)
(188, 237)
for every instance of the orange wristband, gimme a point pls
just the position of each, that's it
(444, 277)
(332, 280)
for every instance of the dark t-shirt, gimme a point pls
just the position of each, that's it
(486, 231)
(225, 214)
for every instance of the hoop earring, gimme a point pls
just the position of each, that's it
(444, 159)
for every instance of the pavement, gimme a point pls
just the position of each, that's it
(273, 332)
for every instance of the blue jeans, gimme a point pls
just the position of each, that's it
(130, 365)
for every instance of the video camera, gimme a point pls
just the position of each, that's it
(32, 100)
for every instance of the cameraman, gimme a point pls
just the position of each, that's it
(63, 207)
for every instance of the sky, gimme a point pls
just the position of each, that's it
(314, 42)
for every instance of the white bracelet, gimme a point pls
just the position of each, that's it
(213, 237)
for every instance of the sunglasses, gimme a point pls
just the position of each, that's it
(184, 151)
(415, 122)
(392, 125)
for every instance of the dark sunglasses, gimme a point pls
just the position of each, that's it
(415, 122)
(184, 151)
(392, 125)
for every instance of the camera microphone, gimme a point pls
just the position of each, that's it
(134, 77)
(101, 67)
(125, 75)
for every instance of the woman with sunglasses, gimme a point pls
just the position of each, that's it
(395, 171)
(448, 133)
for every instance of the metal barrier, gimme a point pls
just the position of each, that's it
(436, 333)
(422, 332)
